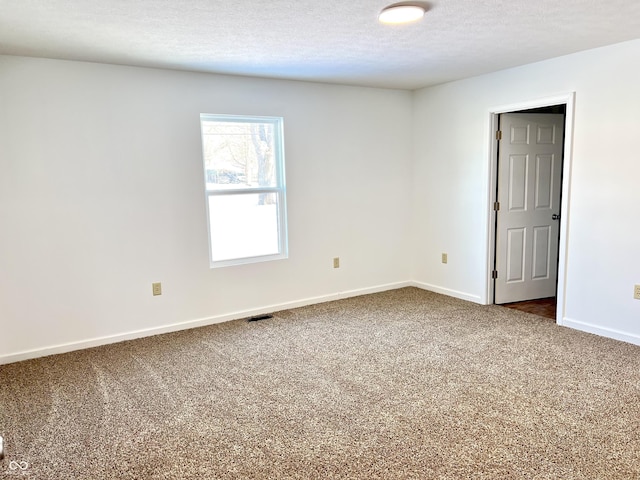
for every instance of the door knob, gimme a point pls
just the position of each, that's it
(555, 217)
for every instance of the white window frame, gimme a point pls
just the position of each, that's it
(279, 189)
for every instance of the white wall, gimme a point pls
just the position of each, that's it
(101, 193)
(451, 178)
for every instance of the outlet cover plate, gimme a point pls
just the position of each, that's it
(636, 292)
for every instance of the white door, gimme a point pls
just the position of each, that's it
(529, 186)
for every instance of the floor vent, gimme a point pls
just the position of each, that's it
(260, 317)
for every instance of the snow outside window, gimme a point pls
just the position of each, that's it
(245, 188)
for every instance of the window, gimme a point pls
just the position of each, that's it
(245, 188)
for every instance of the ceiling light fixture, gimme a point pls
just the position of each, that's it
(401, 13)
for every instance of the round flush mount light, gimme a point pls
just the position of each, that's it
(401, 13)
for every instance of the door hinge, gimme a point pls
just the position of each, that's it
(498, 134)
(496, 206)
(494, 274)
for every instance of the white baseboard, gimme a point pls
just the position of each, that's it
(601, 331)
(449, 292)
(201, 322)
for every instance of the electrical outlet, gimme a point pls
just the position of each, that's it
(444, 258)
(636, 292)
(336, 262)
(156, 288)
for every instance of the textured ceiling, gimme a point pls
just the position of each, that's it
(336, 41)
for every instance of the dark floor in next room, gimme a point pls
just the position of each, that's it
(545, 307)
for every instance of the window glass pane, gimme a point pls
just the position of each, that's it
(239, 154)
(243, 225)
(243, 161)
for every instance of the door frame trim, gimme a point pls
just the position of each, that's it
(567, 99)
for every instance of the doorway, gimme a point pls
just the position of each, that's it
(526, 261)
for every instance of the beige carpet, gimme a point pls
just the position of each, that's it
(401, 384)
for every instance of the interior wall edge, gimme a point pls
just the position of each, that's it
(188, 324)
(451, 293)
(600, 331)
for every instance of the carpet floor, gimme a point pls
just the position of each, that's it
(395, 385)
